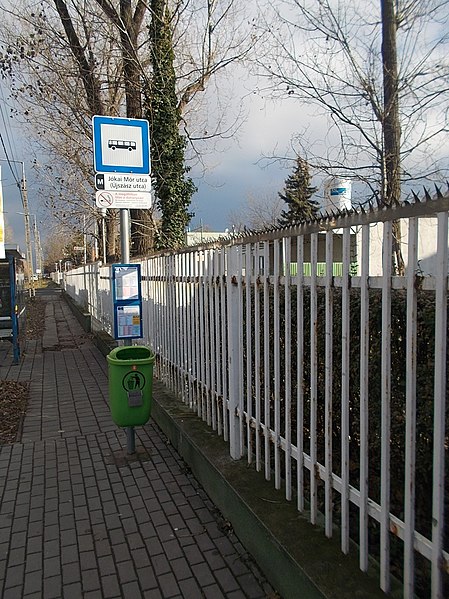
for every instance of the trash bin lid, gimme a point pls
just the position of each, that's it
(137, 354)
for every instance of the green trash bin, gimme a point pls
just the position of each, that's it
(130, 371)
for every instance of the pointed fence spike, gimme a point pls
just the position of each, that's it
(438, 191)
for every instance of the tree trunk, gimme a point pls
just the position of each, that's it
(174, 191)
(111, 236)
(391, 186)
(141, 220)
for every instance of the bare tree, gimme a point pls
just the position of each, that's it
(56, 89)
(70, 59)
(391, 124)
(59, 246)
(376, 74)
(258, 213)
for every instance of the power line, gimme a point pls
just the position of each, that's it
(7, 127)
(11, 162)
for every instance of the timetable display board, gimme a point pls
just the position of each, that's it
(127, 298)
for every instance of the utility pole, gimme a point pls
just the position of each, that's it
(26, 217)
(37, 246)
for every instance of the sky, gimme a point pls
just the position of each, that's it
(235, 172)
(12, 202)
(13, 152)
(242, 171)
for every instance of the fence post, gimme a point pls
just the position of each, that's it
(234, 315)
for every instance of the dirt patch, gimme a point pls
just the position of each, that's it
(35, 318)
(14, 395)
(13, 404)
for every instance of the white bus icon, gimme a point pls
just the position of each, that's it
(120, 144)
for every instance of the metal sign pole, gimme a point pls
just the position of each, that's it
(122, 165)
(124, 246)
(26, 215)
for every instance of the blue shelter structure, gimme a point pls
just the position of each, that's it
(12, 298)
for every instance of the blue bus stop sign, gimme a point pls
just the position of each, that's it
(121, 145)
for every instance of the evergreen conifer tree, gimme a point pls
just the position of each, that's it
(297, 193)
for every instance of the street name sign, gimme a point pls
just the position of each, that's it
(123, 199)
(122, 182)
(121, 145)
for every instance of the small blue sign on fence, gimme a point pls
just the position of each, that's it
(121, 145)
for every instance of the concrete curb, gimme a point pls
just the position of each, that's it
(83, 317)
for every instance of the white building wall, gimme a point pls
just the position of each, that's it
(427, 246)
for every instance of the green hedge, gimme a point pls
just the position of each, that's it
(424, 389)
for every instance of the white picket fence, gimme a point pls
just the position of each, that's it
(245, 334)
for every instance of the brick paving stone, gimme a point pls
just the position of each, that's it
(193, 555)
(203, 574)
(236, 595)
(121, 552)
(140, 558)
(33, 562)
(71, 573)
(14, 575)
(153, 545)
(72, 591)
(76, 523)
(160, 564)
(90, 579)
(153, 594)
(168, 585)
(110, 586)
(181, 568)
(126, 572)
(106, 565)
(52, 566)
(51, 548)
(227, 581)
(33, 582)
(35, 544)
(250, 586)
(131, 589)
(189, 588)
(147, 578)
(13, 593)
(52, 587)
(214, 559)
(212, 592)
(15, 556)
(87, 559)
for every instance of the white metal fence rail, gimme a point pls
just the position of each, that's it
(279, 360)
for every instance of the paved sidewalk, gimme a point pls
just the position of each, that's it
(77, 518)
